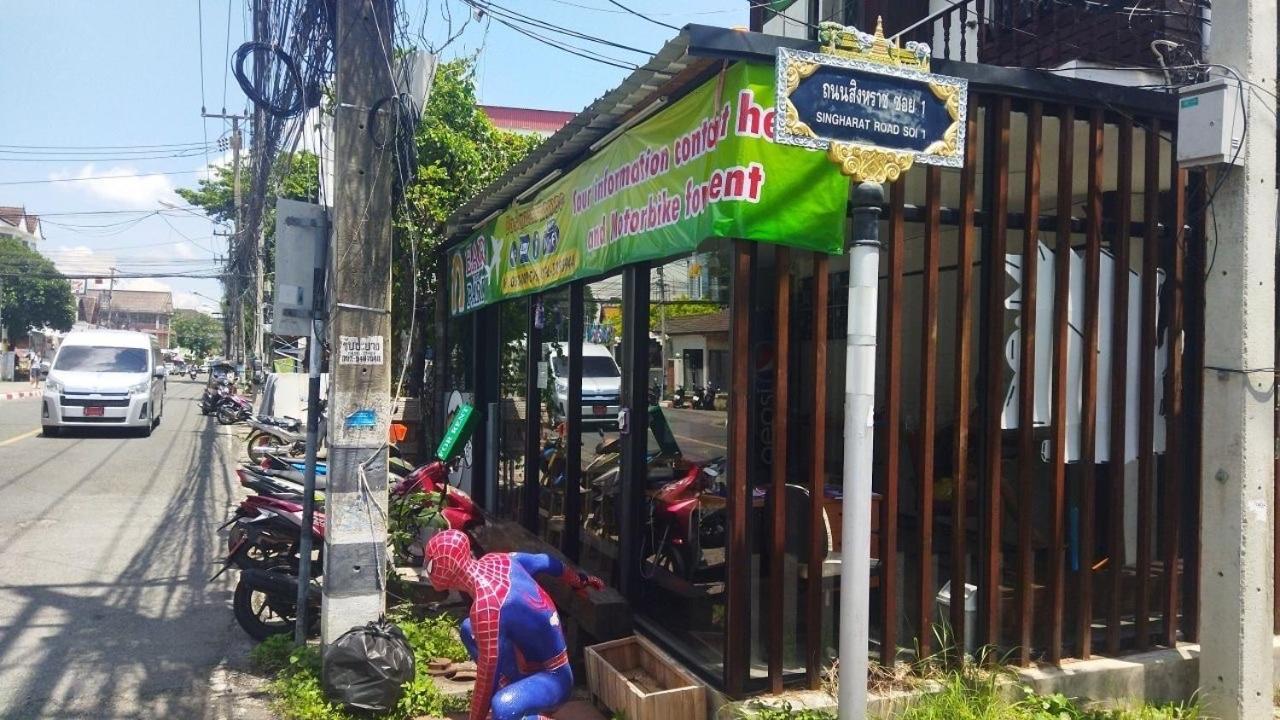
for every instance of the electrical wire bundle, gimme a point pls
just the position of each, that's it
(290, 66)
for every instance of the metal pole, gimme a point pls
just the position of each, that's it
(309, 475)
(859, 435)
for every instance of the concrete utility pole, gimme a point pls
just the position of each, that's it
(231, 284)
(1237, 469)
(360, 324)
(261, 11)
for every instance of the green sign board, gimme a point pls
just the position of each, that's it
(459, 431)
(705, 167)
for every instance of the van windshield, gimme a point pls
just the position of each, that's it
(592, 366)
(81, 358)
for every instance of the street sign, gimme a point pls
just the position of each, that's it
(874, 107)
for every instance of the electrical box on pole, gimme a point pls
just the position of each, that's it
(1210, 123)
(301, 233)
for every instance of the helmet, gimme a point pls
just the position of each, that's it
(448, 552)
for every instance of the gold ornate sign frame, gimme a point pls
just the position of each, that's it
(851, 48)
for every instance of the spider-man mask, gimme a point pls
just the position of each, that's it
(447, 554)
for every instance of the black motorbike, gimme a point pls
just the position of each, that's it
(707, 398)
(214, 395)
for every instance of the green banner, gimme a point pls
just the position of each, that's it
(706, 167)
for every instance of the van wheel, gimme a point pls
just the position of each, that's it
(145, 430)
(51, 431)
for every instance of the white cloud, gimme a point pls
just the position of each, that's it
(81, 260)
(123, 186)
(151, 284)
(191, 301)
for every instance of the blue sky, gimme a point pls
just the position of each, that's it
(80, 76)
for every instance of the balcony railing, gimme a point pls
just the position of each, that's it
(1048, 33)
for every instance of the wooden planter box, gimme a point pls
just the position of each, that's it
(633, 677)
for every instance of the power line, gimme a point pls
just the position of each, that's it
(642, 16)
(155, 147)
(99, 177)
(496, 9)
(565, 47)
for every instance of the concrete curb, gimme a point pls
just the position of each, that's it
(21, 395)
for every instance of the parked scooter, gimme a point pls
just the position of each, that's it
(280, 436)
(233, 409)
(678, 528)
(266, 532)
(706, 400)
(680, 398)
(212, 397)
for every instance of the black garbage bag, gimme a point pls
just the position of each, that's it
(366, 667)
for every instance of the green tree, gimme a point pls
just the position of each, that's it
(459, 152)
(295, 177)
(679, 307)
(197, 332)
(32, 291)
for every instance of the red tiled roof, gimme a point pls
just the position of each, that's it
(12, 215)
(18, 217)
(703, 324)
(527, 119)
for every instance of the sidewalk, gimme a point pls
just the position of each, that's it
(17, 390)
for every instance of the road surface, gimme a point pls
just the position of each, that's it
(107, 542)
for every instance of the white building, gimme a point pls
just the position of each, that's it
(16, 223)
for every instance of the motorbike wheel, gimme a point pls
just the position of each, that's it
(667, 557)
(263, 613)
(227, 415)
(258, 441)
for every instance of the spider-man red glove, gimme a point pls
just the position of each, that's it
(580, 581)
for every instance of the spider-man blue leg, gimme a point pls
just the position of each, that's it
(521, 700)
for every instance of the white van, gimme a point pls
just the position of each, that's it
(601, 383)
(112, 378)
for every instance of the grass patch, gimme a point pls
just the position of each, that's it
(298, 694)
(974, 696)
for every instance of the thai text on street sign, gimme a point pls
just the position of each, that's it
(875, 108)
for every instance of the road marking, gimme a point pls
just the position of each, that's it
(701, 442)
(23, 436)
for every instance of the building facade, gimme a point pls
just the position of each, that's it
(1037, 393)
(18, 224)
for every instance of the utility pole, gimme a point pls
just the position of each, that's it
(111, 292)
(360, 323)
(1237, 471)
(231, 284)
(662, 323)
(261, 11)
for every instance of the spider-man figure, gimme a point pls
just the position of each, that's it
(513, 632)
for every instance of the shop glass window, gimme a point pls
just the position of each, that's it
(512, 406)
(684, 521)
(602, 347)
(551, 317)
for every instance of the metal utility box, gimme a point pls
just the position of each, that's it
(1210, 123)
(301, 237)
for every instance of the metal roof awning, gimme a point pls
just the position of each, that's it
(698, 51)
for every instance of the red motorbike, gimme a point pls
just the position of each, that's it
(265, 537)
(680, 525)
